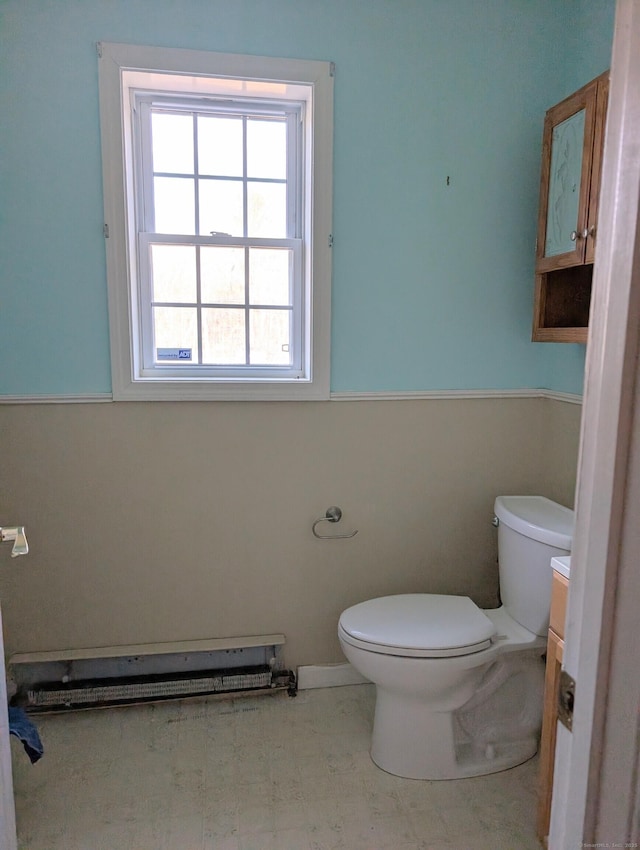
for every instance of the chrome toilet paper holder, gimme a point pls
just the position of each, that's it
(333, 514)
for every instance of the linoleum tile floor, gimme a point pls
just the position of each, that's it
(251, 773)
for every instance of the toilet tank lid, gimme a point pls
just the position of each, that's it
(419, 621)
(538, 518)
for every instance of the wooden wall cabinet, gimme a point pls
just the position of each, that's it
(572, 146)
(555, 650)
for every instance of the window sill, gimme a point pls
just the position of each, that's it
(181, 390)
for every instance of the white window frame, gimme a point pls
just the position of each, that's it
(125, 71)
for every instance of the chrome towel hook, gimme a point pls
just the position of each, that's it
(333, 514)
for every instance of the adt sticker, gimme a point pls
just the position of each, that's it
(173, 354)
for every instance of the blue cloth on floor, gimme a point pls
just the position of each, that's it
(23, 728)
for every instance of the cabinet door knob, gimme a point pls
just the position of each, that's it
(574, 235)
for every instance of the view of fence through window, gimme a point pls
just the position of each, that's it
(220, 301)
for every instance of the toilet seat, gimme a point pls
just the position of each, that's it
(419, 625)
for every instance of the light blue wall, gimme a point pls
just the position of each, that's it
(590, 41)
(432, 284)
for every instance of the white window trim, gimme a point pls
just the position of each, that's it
(261, 75)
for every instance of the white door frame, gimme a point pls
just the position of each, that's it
(595, 799)
(7, 807)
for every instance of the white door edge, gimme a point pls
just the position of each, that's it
(609, 442)
(8, 839)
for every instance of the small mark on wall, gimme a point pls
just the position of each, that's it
(448, 180)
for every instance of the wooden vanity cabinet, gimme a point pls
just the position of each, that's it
(572, 147)
(555, 649)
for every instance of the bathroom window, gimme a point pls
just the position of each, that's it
(217, 180)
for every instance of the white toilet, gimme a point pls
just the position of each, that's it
(458, 689)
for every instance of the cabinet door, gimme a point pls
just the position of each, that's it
(555, 650)
(602, 102)
(567, 150)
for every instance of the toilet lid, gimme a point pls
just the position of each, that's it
(418, 624)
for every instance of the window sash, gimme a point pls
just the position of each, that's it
(143, 107)
(148, 367)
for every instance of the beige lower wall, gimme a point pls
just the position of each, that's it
(164, 521)
(560, 438)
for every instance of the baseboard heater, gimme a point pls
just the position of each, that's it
(124, 675)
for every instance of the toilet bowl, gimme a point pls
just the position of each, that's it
(459, 689)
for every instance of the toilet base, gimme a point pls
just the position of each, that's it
(470, 762)
(425, 745)
(459, 716)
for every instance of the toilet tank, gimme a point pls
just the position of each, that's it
(531, 531)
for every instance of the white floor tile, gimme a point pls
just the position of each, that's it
(259, 773)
